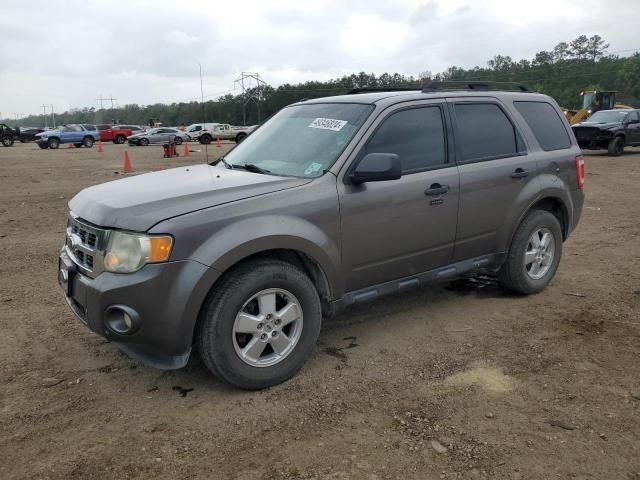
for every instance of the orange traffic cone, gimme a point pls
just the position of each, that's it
(127, 163)
(186, 149)
(218, 142)
(99, 146)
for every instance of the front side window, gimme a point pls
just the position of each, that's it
(546, 125)
(301, 140)
(484, 132)
(416, 135)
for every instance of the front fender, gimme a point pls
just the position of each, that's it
(249, 236)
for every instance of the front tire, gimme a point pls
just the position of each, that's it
(616, 147)
(7, 141)
(178, 141)
(260, 324)
(534, 254)
(53, 143)
(87, 142)
(144, 142)
(119, 140)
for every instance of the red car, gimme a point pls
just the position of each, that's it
(113, 133)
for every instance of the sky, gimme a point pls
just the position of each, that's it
(70, 53)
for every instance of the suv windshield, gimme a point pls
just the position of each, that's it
(607, 116)
(302, 140)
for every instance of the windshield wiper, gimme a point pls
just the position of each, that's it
(221, 159)
(250, 167)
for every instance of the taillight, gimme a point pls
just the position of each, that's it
(580, 171)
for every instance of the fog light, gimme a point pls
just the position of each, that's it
(121, 319)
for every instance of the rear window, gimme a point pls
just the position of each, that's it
(484, 132)
(546, 125)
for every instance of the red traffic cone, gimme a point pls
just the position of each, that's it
(99, 146)
(218, 142)
(186, 149)
(127, 163)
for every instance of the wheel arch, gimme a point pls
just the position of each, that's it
(551, 202)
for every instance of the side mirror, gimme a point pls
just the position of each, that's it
(377, 167)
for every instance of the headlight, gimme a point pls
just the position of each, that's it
(129, 252)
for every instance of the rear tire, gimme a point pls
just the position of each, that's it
(119, 140)
(530, 265)
(87, 142)
(240, 137)
(290, 322)
(7, 141)
(178, 141)
(53, 143)
(144, 142)
(616, 147)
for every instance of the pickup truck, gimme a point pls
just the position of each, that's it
(114, 133)
(80, 135)
(223, 131)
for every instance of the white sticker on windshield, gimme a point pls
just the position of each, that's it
(328, 124)
(313, 168)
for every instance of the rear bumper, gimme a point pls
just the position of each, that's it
(577, 198)
(165, 298)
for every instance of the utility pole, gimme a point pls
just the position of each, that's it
(112, 99)
(101, 100)
(251, 85)
(44, 114)
(53, 116)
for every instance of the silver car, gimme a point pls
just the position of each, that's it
(158, 135)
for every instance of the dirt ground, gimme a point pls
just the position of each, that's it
(452, 381)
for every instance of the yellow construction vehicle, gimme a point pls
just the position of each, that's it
(593, 101)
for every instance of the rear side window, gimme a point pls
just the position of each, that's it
(415, 135)
(546, 125)
(484, 132)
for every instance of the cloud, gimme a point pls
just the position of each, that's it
(69, 53)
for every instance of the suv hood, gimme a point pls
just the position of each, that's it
(138, 203)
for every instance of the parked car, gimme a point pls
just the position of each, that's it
(7, 135)
(332, 202)
(135, 129)
(80, 135)
(610, 130)
(223, 131)
(196, 129)
(114, 133)
(157, 135)
(27, 134)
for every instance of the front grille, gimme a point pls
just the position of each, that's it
(85, 244)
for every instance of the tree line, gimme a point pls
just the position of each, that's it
(561, 72)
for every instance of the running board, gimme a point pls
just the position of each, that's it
(485, 262)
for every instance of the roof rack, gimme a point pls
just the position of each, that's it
(383, 89)
(437, 86)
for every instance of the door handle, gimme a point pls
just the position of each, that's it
(520, 173)
(436, 189)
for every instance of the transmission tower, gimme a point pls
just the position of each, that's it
(251, 85)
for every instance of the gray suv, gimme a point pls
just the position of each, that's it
(332, 202)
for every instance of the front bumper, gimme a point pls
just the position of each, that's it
(166, 297)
